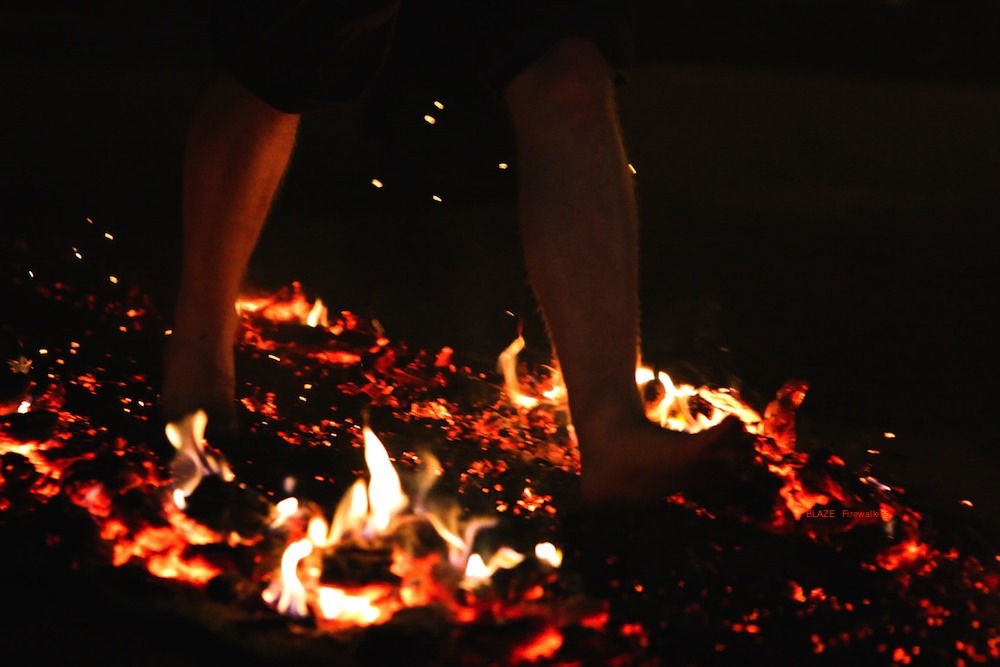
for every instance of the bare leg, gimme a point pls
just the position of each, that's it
(580, 234)
(237, 151)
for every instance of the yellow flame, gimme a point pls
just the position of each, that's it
(478, 572)
(287, 594)
(180, 499)
(367, 510)
(284, 510)
(317, 315)
(549, 554)
(557, 392)
(351, 513)
(458, 535)
(455, 542)
(385, 493)
(336, 604)
(673, 410)
(185, 435)
(507, 364)
(644, 375)
(427, 476)
(193, 460)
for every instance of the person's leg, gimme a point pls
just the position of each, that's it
(237, 151)
(579, 227)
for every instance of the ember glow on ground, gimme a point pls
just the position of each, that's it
(83, 444)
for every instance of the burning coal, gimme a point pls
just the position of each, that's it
(443, 460)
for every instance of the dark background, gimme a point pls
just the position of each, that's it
(817, 179)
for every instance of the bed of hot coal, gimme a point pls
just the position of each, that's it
(718, 581)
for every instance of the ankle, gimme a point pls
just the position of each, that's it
(607, 420)
(208, 323)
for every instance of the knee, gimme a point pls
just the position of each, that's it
(571, 83)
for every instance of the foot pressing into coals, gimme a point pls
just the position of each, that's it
(636, 463)
(199, 374)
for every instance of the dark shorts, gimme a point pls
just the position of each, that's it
(297, 55)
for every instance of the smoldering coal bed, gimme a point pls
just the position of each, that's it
(109, 555)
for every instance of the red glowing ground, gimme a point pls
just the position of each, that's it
(800, 559)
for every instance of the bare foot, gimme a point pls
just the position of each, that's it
(639, 463)
(199, 374)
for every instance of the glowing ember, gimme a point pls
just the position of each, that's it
(409, 532)
(542, 646)
(908, 554)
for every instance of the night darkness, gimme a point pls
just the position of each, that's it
(817, 179)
